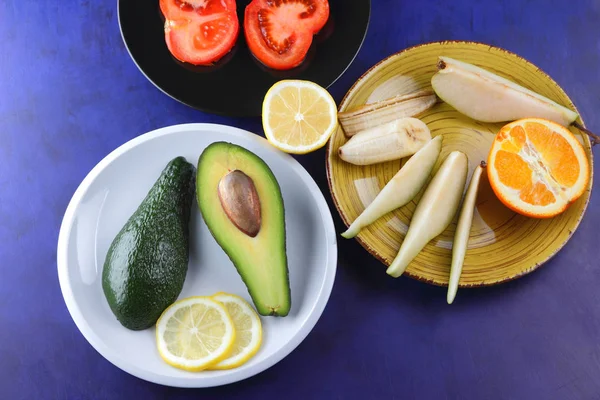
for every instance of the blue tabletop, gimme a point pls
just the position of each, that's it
(70, 94)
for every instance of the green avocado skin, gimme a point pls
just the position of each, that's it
(147, 262)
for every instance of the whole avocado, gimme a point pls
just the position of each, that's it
(147, 262)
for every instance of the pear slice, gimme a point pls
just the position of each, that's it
(487, 97)
(461, 235)
(435, 210)
(402, 188)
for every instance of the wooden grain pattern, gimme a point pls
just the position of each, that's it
(502, 245)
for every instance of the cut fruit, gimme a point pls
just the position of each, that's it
(280, 33)
(402, 188)
(392, 141)
(194, 333)
(461, 235)
(537, 167)
(434, 212)
(248, 331)
(246, 217)
(485, 96)
(200, 32)
(298, 116)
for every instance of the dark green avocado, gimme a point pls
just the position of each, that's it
(147, 262)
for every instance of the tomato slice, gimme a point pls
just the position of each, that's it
(280, 32)
(200, 32)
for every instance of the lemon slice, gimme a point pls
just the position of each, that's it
(194, 332)
(248, 331)
(298, 116)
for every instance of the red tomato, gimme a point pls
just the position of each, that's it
(280, 32)
(200, 32)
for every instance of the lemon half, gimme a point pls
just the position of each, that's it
(298, 116)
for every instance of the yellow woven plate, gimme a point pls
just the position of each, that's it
(503, 245)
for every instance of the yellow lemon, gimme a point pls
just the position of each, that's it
(298, 116)
(194, 333)
(248, 331)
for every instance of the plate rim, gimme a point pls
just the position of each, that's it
(237, 114)
(389, 58)
(223, 377)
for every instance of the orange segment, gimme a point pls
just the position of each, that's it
(512, 139)
(557, 152)
(513, 171)
(537, 194)
(537, 167)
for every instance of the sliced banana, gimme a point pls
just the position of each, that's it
(391, 141)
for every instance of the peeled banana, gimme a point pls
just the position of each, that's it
(391, 141)
(487, 97)
(382, 112)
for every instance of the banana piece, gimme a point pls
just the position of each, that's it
(390, 141)
(374, 114)
(487, 97)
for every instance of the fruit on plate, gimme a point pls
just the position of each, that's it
(381, 112)
(395, 85)
(401, 189)
(487, 97)
(248, 331)
(434, 211)
(194, 333)
(463, 230)
(279, 33)
(298, 116)
(392, 141)
(241, 203)
(537, 167)
(200, 32)
(147, 261)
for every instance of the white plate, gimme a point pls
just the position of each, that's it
(113, 190)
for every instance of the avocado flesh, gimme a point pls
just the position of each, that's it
(261, 261)
(147, 262)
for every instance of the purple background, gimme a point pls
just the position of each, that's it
(69, 94)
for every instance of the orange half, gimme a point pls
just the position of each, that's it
(537, 167)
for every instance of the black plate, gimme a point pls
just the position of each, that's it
(237, 84)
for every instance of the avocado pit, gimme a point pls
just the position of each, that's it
(240, 202)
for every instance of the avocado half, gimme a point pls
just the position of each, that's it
(241, 203)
